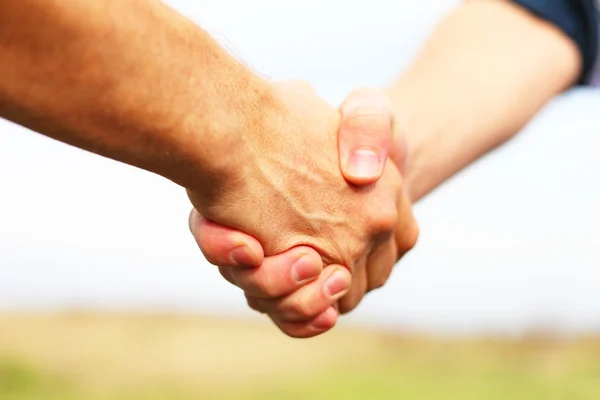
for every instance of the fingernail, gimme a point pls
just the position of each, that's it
(242, 256)
(363, 163)
(304, 269)
(336, 283)
(192, 221)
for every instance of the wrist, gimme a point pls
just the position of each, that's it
(233, 134)
(418, 125)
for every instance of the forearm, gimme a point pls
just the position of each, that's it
(481, 76)
(131, 80)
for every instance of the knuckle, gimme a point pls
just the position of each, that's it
(264, 286)
(254, 305)
(378, 284)
(381, 224)
(294, 334)
(293, 331)
(378, 281)
(209, 257)
(407, 239)
(387, 220)
(211, 251)
(347, 304)
(368, 121)
(213, 256)
(226, 274)
(303, 309)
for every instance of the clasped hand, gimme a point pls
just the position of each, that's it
(312, 217)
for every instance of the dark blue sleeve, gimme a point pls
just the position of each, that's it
(578, 19)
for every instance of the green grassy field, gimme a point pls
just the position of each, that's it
(111, 356)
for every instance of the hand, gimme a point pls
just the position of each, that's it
(341, 235)
(368, 135)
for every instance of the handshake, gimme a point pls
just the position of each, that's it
(294, 200)
(305, 213)
(300, 204)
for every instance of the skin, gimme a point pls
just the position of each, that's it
(138, 83)
(484, 72)
(305, 308)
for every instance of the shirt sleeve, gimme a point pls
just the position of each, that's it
(578, 19)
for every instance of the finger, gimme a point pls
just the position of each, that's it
(357, 291)
(320, 324)
(380, 264)
(252, 304)
(311, 300)
(398, 146)
(407, 230)
(279, 275)
(225, 246)
(382, 260)
(226, 273)
(371, 275)
(365, 135)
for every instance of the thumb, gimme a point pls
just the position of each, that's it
(365, 135)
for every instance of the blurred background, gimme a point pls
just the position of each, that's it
(104, 294)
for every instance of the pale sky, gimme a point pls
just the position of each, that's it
(511, 243)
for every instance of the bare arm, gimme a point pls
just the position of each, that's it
(484, 72)
(134, 81)
(131, 80)
(482, 75)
